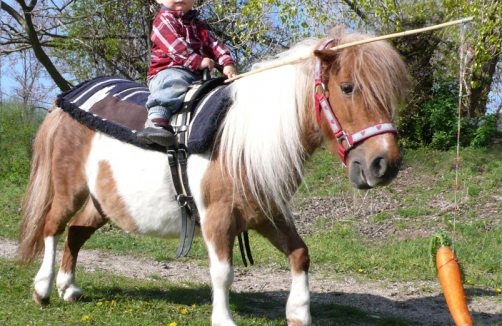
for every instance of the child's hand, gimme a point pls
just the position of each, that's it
(229, 71)
(206, 63)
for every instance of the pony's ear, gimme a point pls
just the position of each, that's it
(326, 56)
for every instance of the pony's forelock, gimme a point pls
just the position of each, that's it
(378, 71)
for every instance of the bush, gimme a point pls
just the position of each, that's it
(18, 126)
(435, 124)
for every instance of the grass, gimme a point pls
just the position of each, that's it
(337, 246)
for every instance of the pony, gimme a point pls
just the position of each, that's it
(346, 98)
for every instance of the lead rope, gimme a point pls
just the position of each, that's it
(466, 54)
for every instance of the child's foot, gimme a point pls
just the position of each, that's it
(159, 131)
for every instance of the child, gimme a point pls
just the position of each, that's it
(181, 48)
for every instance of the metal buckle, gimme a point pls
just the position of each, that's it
(181, 199)
(316, 89)
(343, 137)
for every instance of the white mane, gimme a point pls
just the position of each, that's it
(260, 141)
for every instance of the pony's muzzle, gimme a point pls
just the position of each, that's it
(380, 170)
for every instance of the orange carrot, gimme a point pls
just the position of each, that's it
(451, 282)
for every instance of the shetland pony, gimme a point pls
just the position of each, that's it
(347, 98)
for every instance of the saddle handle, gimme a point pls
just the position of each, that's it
(206, 74)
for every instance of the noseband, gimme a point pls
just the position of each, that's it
(322, 105)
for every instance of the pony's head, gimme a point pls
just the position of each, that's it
(364, 86)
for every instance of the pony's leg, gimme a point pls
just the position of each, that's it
(79, 231)
(45, 276)
(219, 234)
(283, 236)
(62, 210)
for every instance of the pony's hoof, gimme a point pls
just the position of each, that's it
(39, 300)
(72, 294)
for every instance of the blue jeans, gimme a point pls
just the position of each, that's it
(167, 91)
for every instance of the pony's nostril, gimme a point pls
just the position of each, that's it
(378, 167)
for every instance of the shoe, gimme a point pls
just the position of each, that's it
(158, 131)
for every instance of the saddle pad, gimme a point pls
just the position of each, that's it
(208, 116)
(109, 105)
(116, 107)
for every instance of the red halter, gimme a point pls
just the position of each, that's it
(322, 105)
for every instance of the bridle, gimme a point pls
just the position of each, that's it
(322, 105)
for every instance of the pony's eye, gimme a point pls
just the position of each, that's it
(347, 88)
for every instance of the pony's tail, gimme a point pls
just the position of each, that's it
(38, 198)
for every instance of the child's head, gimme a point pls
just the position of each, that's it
(178, 5)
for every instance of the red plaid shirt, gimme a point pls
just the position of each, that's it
(183, 40)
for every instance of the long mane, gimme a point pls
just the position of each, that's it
(260, 145)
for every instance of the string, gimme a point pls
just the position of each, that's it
(466, 54)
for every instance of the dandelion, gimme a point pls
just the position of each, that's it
(498, 290)
(194, 306)
(469, 281)
(182, 310)
(113, 302)
(173, 324)
(360, 270)
(85, 317)
(99, 304)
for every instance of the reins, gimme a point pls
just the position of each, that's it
(322, 106)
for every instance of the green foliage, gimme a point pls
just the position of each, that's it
(107, 38)
(484, 134)
(18, 127)
(436, 124)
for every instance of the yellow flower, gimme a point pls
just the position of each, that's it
(194, 306)
(99, 304)
(498, 290)
(360, 270)
(113, 302)
(173, 324)
(469, 281)
(85, 317)
(184, 311)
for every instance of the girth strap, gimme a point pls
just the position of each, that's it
(183, 160)
(183, 199)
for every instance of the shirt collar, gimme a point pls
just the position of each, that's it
(188, 16)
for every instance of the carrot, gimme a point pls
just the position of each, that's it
(450, 278)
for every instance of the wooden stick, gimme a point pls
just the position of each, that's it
(343, 46)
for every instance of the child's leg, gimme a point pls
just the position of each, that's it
(168, 89)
